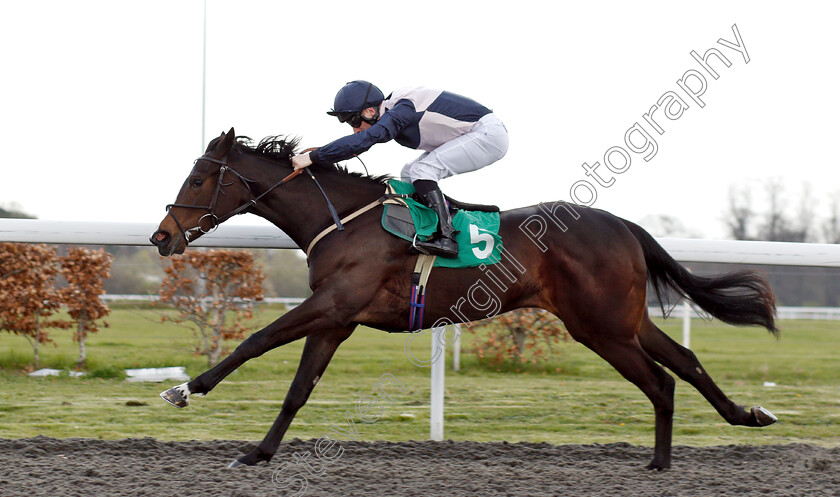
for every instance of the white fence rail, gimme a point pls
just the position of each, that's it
(816, 313)
(752, 252)
(233, 236)
(137, 234)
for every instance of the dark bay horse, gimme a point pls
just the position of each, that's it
(584, 265)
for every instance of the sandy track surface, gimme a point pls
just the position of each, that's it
(139, 467)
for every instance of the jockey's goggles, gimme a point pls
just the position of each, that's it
(354, 119)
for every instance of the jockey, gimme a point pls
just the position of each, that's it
(458, 135)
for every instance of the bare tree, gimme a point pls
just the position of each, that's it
(668, 226)
(774, 221)
(779, 223)
(831, 226)
(740, 216)
(804, 225)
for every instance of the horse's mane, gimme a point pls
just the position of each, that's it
(281, 149)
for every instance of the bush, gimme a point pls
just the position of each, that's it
(520, 336)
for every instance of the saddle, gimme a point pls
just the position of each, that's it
(478, 225)
(456, 205)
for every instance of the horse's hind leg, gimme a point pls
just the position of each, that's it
(628, 358)
(317, 353)
(684, 364)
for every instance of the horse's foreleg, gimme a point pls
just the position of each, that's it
(309, 317)
(317, 352)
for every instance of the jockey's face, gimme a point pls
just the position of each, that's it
(368, 113)
(361, 127)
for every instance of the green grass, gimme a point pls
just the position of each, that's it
(575, 398)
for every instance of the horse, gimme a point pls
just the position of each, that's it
(586, 266)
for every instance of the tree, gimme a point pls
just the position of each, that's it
(668, 226)
(831, 226)
(778, 224)
(13, 210)
(741, 214)
(209, 287)
(85, 271)
(28, 295)
(523, 335)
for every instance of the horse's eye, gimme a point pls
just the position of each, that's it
(197, 182)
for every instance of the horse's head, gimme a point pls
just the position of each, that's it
(220, 186)
(212, 193)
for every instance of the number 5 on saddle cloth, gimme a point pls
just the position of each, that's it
(478, 226)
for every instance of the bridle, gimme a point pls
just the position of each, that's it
(252, 202)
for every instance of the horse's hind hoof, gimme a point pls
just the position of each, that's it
(236, 463)
(762, 416)
(178, 396)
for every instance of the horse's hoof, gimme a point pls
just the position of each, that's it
(762, 416)
(178, 396)
(236, 463)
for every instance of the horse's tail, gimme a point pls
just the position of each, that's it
(739, 298)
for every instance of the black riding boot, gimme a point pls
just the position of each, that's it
(443, 245)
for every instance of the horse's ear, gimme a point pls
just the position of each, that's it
(226, 142)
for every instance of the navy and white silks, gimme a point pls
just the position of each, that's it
(458, 134)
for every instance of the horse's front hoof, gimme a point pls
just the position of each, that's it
(178, 396)
(657, 466)
(762, 416)
(236, 463)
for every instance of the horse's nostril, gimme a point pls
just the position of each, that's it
(159, 238)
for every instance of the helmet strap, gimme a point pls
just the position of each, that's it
(373, 119)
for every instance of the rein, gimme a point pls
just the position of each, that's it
(216, 220)
(390, 197)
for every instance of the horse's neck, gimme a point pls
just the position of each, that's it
(300, 209)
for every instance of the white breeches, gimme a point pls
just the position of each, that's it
(483, 145)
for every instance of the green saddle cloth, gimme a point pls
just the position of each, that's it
(478, 238)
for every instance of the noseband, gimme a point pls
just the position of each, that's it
(252, 202)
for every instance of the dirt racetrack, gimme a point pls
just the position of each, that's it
(140, 467)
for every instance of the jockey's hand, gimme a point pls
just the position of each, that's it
(301, 161)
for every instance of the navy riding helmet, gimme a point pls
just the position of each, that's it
(354, 97)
